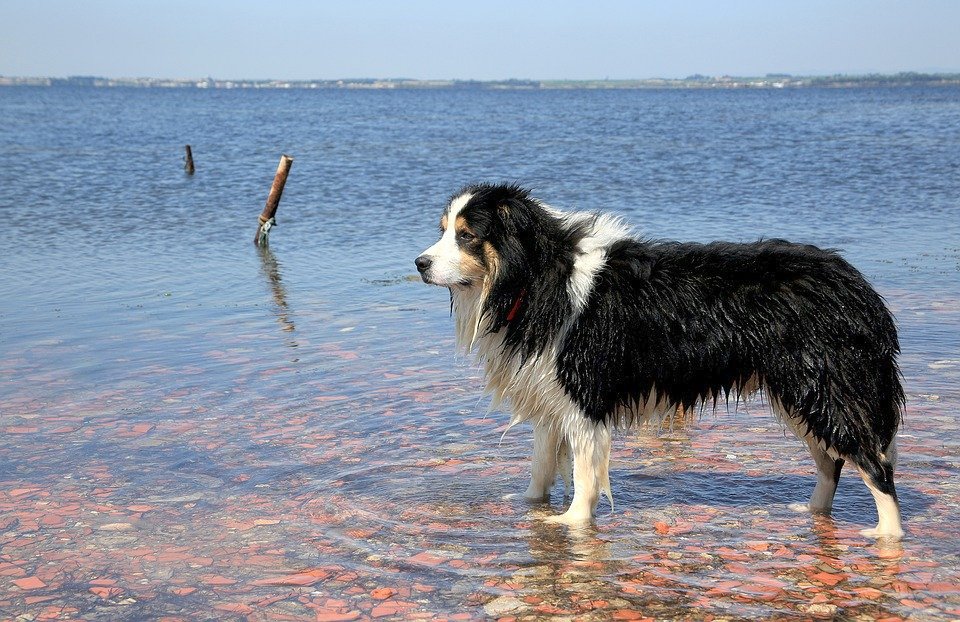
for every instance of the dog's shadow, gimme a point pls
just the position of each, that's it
(742, 491)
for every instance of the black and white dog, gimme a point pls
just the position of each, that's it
(584, 328)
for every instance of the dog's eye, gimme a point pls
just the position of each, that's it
(464, 236)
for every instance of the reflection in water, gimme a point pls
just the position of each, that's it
(271, 269)
(554, 542)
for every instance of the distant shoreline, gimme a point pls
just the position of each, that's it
(769, 81)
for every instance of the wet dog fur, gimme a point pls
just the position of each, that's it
(584, 328)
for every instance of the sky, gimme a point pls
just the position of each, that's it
(490, 40)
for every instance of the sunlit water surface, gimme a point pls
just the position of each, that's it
(193, 428)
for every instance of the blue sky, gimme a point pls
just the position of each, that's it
(298, 39)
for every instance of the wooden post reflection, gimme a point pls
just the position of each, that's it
(272, 271)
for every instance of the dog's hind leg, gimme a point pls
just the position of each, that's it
(877, 474)
(590, 446)
(828, 464)
(828, 475)
(543, 472)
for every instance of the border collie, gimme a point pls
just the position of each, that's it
(583, 328)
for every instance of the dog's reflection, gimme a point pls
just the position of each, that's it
(550, 543)
(834, 543)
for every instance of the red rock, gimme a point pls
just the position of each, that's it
(217, 580)
(29, 583)
(103, 582)
(868, 592)
(183, 591)
(33, 600)
(52, 520)
(301, 578)
(427, 559)
(390, 608)
(827, 578)
(900, 587)
(106, 592)
(382, 593)
(271, 600)
(333, 616)
(140, 508)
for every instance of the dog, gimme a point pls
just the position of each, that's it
(584, 328)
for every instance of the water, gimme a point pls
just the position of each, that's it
(192, 428)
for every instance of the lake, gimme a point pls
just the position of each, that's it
(193, 428)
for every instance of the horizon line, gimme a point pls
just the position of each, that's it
(690, 77)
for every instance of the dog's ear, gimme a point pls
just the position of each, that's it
(515, 215)
(513, 269)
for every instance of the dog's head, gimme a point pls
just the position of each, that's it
(480, 228)
(515, 256)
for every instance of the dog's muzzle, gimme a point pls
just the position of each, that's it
(423, 263)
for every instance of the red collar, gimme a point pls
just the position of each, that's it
(516, 306)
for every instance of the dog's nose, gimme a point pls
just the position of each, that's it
(423, 263)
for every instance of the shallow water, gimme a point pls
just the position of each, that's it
(193, 428)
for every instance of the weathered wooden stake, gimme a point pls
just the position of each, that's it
(188, 166)
(267, 221)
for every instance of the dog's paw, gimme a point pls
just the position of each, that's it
(806, 508)
(570, 519)
(877, 534)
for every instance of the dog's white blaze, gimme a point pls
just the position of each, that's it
(592, 253)
(445, 270)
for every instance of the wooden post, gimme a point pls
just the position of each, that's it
(188, 166)
(273, 201)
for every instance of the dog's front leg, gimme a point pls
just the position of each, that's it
(543, 472)
(590, 446)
